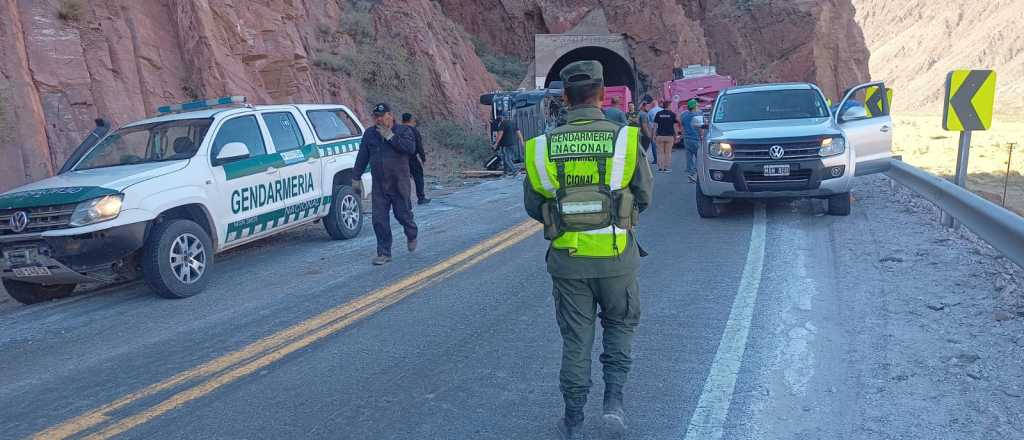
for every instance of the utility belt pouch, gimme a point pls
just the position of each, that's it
(550, 215)
(626, 213)
(584, 208)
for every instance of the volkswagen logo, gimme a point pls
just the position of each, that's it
(776, 152)
(19, 221)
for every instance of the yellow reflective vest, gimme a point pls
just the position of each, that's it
(580, 146)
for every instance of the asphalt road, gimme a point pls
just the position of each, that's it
(300, 337)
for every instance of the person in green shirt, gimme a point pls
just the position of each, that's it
(590, 268)
(633, 117)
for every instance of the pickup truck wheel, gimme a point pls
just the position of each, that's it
(177, 258)
(839, 204)
(28, 293)
(706, 206)
(345, 218)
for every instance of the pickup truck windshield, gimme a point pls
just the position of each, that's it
(769, 105)
(154, 142)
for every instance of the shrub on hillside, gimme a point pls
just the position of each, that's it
(468, 143)
(507, 70)
(357, 22)
(70, 10)
(6, 124)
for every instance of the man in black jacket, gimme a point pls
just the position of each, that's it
(416, 161)
(386, 148)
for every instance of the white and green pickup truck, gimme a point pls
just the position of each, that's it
(160, 197)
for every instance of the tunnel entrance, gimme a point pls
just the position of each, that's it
(617, 71)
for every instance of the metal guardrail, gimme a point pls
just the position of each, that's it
(1002, 229)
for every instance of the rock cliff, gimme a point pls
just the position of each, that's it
(752, 40)
(121, 59)
(915, 43)
(65, 62)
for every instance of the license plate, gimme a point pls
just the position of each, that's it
(33, 271)
(19, 257)
(776, 170)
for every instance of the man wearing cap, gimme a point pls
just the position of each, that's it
(387, 147)
(587, 181)
(417, 160)
(691, 120)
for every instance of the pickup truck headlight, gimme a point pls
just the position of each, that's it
(96, 210)
(720, 150)
(832, 146)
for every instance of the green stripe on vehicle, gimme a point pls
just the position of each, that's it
(52, 196)
(259, 164)
(275, 219)
(340, 147)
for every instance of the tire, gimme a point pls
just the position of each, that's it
(28, 293)
(345, 218)
(182, 276)
(839, 204)
(706, 206)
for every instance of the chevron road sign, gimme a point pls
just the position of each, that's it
(970, 98)
(873, 103)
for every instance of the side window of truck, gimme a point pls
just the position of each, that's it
(284, 131)
(332, 125)
(242, 129)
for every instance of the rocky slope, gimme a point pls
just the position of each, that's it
(914, 43)
(121, 59)
(753, 40)
(65, 62)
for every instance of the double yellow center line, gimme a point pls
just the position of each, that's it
(203, 379)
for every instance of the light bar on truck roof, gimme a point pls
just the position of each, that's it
(202, 104)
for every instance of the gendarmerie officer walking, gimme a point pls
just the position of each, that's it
(588, 181)
(387, 148)
(417, 160)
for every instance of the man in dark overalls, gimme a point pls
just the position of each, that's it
(417, 160)
(386, 148)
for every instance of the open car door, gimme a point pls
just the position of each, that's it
(863, 116)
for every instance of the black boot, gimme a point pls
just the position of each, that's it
(613, 420)
(570, 427)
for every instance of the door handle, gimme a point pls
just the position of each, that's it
(884, 129)
(271, 170)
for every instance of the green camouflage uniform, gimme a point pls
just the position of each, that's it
(582, 284)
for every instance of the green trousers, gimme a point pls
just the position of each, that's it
(576, 305)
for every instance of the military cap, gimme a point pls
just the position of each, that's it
(381, 109)
(582, 73)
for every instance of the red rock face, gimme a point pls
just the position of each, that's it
(752, 40)
(121, 59)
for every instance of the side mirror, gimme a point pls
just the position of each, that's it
(232, 151)
(854, 112)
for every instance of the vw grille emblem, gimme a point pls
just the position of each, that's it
(776, 152)
(19, 221)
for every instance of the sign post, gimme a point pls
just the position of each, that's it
(1006, 179)
(970, 99)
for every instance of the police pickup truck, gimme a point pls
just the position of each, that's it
(160, 197)
(783, 140)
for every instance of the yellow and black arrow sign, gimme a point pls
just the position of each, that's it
(970, 99)
(873, 103)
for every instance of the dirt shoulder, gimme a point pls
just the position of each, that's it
(903, 330)
(922, 142)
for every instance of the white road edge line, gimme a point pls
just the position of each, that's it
(713, 407)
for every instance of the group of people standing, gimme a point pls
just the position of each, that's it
(661, 129)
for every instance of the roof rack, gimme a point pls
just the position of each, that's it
(204, 104)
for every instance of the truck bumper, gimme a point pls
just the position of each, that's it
(808, 178)
(90, 257)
